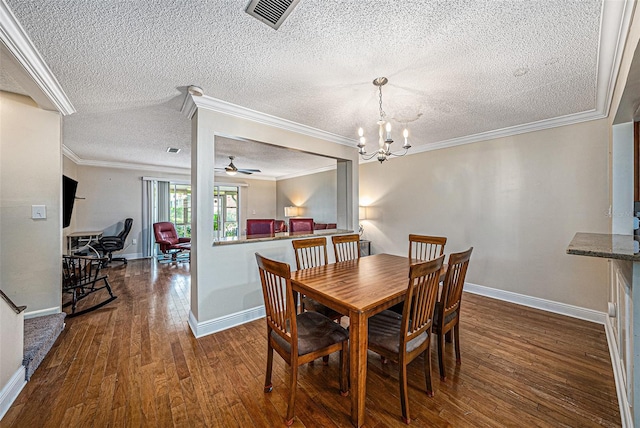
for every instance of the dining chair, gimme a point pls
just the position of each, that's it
(300, 225)
(423, 247)
(346, 247)
(447, 310)
(310, 253)
(260, 226)
(402, 338)
(297, 338)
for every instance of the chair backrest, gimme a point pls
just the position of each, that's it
(80, 270)
(319, 226)
(346, 247)
(125, 231)
(261, 226)
(278, 299)
(420, 300)
(310, 252)
(454, 281)
(300, 225)
(165, 231)
(280, 226)
(332, 225)
(424, 247)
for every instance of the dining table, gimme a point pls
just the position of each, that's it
(359, 288)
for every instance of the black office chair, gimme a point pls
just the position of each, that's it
(108, 244)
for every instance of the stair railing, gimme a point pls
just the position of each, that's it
(16, 309)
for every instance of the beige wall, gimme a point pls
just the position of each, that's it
(112, 195)
(225, 282)
(30, 174)
(315, 193)
(518, 201)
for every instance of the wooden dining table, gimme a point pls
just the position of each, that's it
(360, 288)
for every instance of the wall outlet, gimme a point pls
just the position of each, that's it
(134, 241)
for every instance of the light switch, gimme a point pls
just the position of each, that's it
(38, 212)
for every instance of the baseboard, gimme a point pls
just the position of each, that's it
(11, 390)
(42, 312)
(537, 303)
(618, 374)
(200, 329)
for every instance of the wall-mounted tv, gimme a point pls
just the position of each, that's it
(69, 187)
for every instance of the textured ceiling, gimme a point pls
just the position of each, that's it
(455, 67)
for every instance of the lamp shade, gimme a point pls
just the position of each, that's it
(290, 211)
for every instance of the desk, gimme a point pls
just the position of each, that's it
(80, 239)
(360, 288)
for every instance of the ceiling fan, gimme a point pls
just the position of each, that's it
(231, 169)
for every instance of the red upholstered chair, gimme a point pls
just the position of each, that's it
(260, 226)
(300, 225)
(332, 226)
(168, 239)
(317, 226)
(280, 226)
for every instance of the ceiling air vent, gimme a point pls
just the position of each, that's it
(271, 12)
(172, 150)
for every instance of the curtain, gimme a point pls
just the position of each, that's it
(164, 199)
(148, 203)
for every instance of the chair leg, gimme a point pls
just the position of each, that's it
(443, 375)
(427, 370)
(456, 341)
(292, 391)
(344, 363)
(448, 337)
(268, 386)
(404, 396)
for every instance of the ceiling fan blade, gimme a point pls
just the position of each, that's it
(243, 171)
(249, 170)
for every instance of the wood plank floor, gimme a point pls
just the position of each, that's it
(134, 362)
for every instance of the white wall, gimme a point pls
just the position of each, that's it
(314, 193)
(30, 174)
(518, 201)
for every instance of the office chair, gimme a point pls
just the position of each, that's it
(108, 244)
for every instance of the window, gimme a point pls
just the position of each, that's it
(180, 208)
(225, 211)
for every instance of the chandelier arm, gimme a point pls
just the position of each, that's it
(398, 153)
(364, 156)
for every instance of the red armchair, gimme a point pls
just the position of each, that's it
(260, 226)
(280, 226)
(168, 240)
(300, 225)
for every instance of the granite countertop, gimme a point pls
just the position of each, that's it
(621, 247)
(277, 236)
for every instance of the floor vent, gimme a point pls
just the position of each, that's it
(271, 12)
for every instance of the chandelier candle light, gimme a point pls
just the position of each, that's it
(384, 139)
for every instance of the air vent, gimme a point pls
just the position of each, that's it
(271, 12)
(173, 150)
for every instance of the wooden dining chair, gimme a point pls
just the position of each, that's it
(402, 338)
(447, 310)
(298, 338)
(423, 247)
(310, 253)
(346, 247)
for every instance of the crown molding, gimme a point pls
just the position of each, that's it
(19, 44)
(219, 106)
(188, 108)
(614, 29)
(303, 173)
(123, 165)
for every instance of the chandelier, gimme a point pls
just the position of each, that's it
(384, 133)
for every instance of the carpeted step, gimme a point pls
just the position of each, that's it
(39, 336)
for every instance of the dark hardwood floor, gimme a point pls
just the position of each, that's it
(135, 362)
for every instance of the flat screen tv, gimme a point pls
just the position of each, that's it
(69, 187)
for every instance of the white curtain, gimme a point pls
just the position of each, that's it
(164, 199)
(148, 216)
